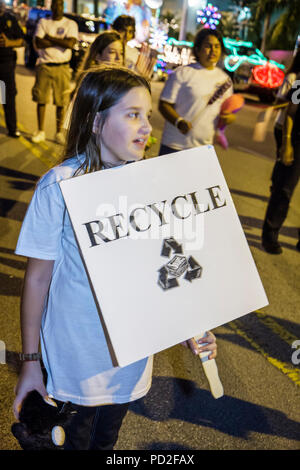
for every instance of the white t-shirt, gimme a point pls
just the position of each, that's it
(131, 56)
(73, 343)
(62, 29)
(282, 92)
(190, 87)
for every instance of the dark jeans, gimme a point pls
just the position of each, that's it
(164, 150)
(94, 427)
(7, 75)
(284, 182)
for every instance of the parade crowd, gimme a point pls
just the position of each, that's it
(104, 122)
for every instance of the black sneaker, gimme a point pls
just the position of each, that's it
(16, 134)
(272, 247)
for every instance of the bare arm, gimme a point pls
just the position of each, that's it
(170, 114)
(36, 284)
(287, 151)
(168, 111)
(5, 42)
(42, 43)
(50, 41)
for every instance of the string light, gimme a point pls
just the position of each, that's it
(233, 61)
(175, 42)
(174, 55)
(158, 38)
(158, 34)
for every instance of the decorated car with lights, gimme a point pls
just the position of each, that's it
(251, 71)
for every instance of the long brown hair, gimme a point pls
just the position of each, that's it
(97, 47)
(99, 90)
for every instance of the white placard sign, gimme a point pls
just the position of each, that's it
(164, 249)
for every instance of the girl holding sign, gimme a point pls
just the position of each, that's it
(109, 127)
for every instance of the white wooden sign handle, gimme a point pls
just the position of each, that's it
(211, 371)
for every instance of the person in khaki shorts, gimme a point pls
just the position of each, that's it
(54, 40)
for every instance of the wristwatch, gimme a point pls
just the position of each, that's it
(178, 120)
(30, 357)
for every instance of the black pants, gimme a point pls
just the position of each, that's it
(7, 75)
(284, 181)
(94, 427)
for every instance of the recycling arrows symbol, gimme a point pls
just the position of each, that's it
(177, 266)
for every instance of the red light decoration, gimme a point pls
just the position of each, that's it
(268, 75)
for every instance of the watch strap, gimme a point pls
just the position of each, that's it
(30, 357)
(178, 120)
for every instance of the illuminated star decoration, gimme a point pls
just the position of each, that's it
(158, 38)
(209, 16)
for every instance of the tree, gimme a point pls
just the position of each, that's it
(284, 32)
(172, 21)
(229, 26)
(249, 29)
(264, 11)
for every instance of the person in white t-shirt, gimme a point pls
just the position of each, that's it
(141, 60)
(109, 127)
(192, 97)
(54, 40)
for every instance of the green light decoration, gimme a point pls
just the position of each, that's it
(234, 60)
(267, 72)
(234, 43)
(174, 42)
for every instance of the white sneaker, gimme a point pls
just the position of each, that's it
(60, 138)
(38, 136)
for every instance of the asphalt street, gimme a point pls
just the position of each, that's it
(260, 408)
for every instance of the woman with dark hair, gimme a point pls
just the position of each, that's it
(109, 127)
(107, 48)
(192, 97)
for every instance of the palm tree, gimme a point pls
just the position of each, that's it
(284, 32)
(264, 10)
(229, 26)
(173, 21)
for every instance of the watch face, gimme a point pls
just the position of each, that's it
(177, 265)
